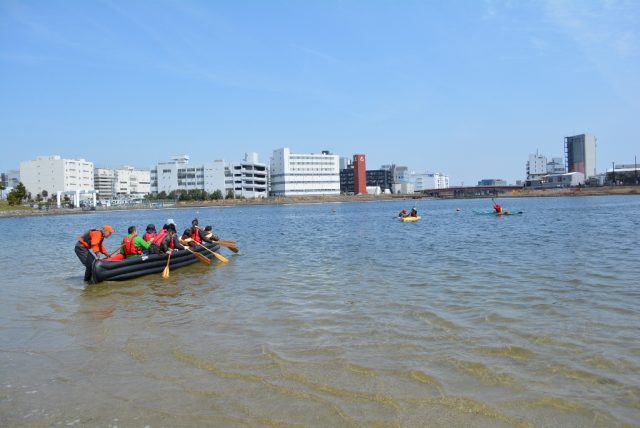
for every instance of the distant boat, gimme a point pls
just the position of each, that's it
(502, 213)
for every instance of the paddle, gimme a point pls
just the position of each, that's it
(218, 256)
(165, 272)
(199, 256)
(117, 249)
(231, 245)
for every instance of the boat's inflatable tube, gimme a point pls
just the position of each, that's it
(155, 263)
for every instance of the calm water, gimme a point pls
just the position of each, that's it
(334, 315)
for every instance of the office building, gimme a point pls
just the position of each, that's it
(536, 166)
(104, 181)
(311, 174)
(249, 178)
(580, 154)
(54, 174)
(179, 174)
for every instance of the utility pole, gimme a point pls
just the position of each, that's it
(635, 168)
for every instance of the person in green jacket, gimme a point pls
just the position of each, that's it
(133, 245)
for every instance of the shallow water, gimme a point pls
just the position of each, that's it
(334, 315)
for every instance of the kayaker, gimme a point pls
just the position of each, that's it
(496, 206)
(414, 212)
(402, 213)
(90, 245)
(150, 234)
(133, 245)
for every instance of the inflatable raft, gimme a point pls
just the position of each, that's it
(408, 219)
(107, 270)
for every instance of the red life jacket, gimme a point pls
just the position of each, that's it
(130, 247)
(149, 236)
(195, 234)
(157, 240)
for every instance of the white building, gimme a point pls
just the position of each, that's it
(309, 174)
(178, 174)
(425, 180)
(536, 166)
(104, 181)
(132, 182)
(54, 174)
(250, 177)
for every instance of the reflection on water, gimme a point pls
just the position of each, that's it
(334, 315)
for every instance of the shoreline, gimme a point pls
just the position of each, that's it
(519, 193)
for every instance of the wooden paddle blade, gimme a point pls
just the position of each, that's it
(199, 256)
(220, 257)
(228, 244)
(165, 272)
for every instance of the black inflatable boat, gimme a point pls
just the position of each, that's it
(105, 270)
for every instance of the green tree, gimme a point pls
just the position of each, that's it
(216, 195)
(45, 195)
(230, 194)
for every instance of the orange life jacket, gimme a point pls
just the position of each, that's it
(130, 246)
(92, 240)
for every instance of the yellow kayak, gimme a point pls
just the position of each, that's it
(408, 219)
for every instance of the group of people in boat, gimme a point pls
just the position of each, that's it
(413, 213)
(91, 244)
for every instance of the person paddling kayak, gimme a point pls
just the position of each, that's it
(497, 207)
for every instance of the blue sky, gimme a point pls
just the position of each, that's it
(468, 88)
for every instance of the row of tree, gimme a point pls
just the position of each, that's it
(19, 194)
(192, 195)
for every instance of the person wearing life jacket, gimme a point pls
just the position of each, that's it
(166, 240)
(133, 245)
(414, 212)
(89, 245)
(208, 235)
(187, 239)
(196, 234)
(150, 234)
(497, 207)
(402, 213)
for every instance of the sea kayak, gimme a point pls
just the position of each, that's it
(502, 213)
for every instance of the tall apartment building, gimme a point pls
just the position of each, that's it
(310, 174)
(54, 174)
(178, 174)
(250, 177)
(580, 153)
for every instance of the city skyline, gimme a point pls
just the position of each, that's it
(467, 89)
